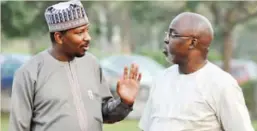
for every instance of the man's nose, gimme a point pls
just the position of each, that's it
(166, 39)
(87, 37)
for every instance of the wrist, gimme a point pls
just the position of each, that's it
(126, 102)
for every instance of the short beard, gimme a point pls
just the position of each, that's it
(169, 58)
(79, 55)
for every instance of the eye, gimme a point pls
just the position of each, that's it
(79, 32)
(173, 34)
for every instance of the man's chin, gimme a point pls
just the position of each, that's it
(81, 54)
(170, 59)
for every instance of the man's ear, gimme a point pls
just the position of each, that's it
(58, 37)
(193, 43)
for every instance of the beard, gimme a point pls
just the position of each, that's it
(169, 58)
(79, 54)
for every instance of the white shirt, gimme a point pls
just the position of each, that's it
(206, 100)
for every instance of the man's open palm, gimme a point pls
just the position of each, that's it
(128, 85)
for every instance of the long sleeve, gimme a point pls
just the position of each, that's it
(232, 110)
(21, 102)
(113, 110)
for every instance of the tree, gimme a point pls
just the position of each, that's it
(21, 18)
(227, 15)
(24, 19)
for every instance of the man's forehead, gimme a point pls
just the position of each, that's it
(84, 26)
(174, 25)
(175, 21)
(171, 26)
(81, 27)
(181, 24)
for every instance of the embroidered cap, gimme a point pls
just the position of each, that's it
(65, 15)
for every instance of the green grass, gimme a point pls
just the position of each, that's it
(127, 125)
(255, 125)
(4, 121)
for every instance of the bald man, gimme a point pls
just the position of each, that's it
(193, 94)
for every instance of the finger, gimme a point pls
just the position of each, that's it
(131, 71)
(118, 84)
(135, 72)
(125, 73)
(139, 77)
(118, 87)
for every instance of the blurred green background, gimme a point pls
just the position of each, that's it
(137, 27)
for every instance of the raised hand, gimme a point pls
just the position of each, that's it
(128, 85)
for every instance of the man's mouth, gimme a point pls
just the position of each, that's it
(165, 52)
(85, 46)
(169, 56)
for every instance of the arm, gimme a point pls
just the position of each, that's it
(21, 102)
(113, 110)
(233, 112)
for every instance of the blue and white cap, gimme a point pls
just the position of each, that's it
(65, 15)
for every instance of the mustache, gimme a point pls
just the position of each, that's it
(85, 44)
(165, 51)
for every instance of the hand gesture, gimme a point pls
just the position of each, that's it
(128, 85)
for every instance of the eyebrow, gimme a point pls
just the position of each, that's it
(86, 27)
(172, 30)
(82, 28)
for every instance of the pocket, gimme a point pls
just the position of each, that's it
(97, 106)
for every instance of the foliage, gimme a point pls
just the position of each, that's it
(21, 18)
(214, 55)
(249, 90)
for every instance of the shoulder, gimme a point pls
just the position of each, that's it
(34, 61)
(220, 79)
(30, 68)
(219, 74)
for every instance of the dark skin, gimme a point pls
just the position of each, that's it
(71, 43)
(187, 41)
(75, 42)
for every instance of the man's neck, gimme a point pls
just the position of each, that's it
(59, 55)
(192, 66)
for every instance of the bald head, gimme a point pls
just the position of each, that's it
(196, 25)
